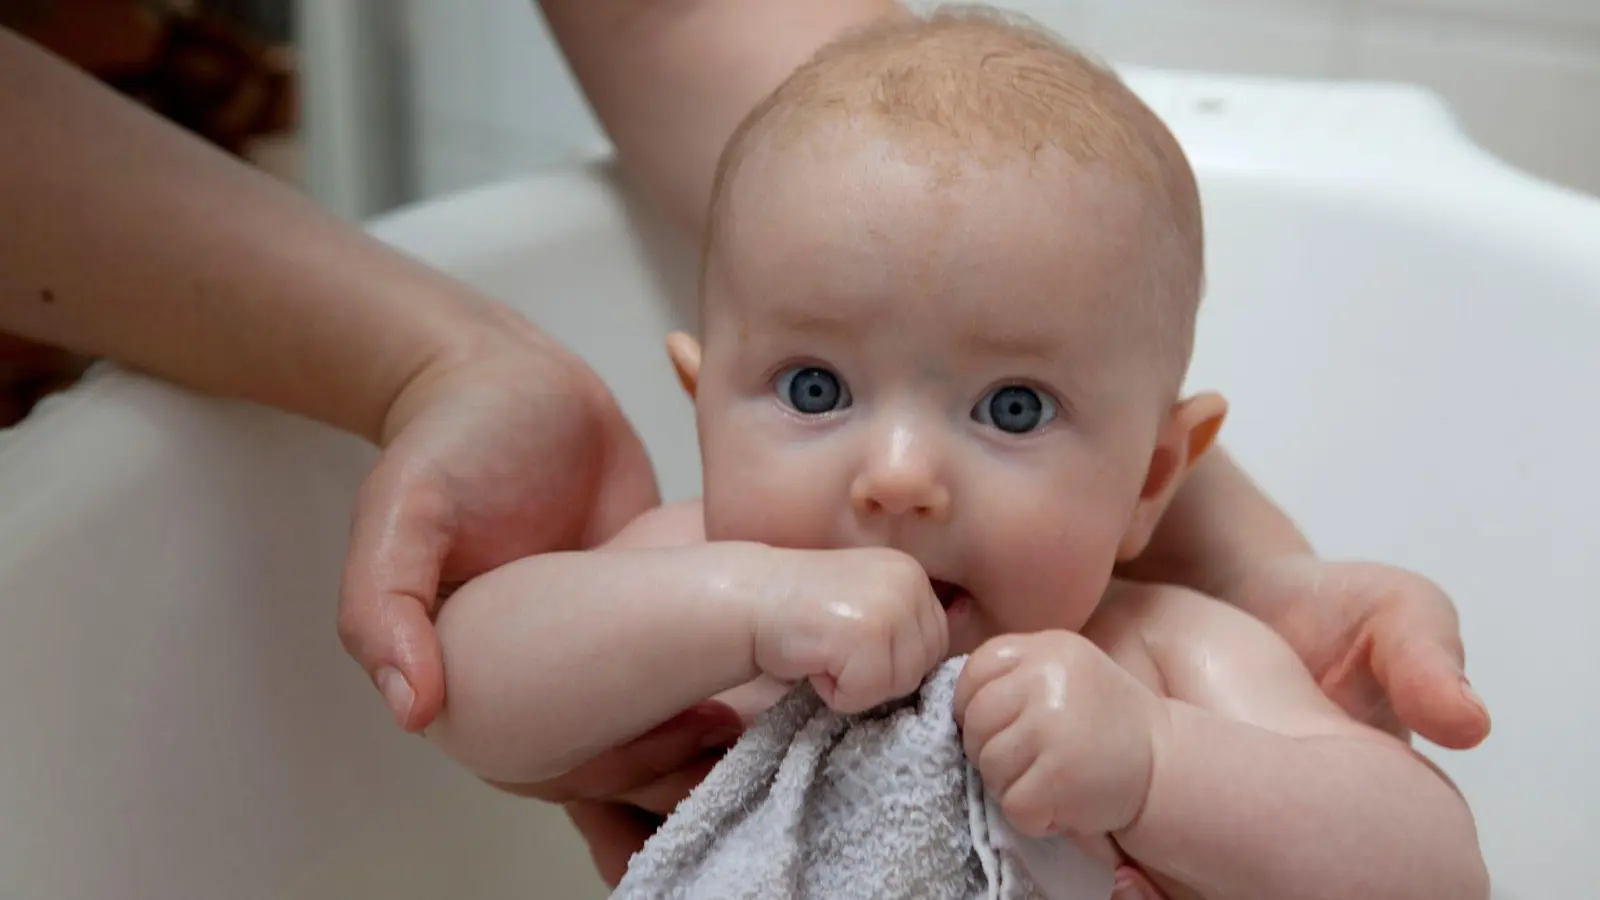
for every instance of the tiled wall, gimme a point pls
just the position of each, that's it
(491, 96)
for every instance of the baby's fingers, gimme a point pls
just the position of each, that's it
(1027, 804)
(919, 644)
(993, 660)
(1005, 758)
(994, 709)
(933, 628)
(866, 677)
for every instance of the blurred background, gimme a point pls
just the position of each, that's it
(482, 92)
(370, 104)
(373, 104)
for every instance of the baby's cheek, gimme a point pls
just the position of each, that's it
(1058, 568)
(756, 511)
(755, 497)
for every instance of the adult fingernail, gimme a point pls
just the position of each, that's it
(1472, 696)
(1127, 887)
(396, 692)
(720, 737)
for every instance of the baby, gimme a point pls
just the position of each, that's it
(948, 303)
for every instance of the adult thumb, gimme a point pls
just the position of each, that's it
(1428, 689)
(398, 542)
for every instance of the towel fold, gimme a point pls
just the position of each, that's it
(813, 804)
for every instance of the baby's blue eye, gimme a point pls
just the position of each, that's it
(1014, 409)
(812, 390)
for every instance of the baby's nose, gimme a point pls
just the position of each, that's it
(902, 477)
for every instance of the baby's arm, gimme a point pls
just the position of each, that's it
(1262, 787)
(552, 659)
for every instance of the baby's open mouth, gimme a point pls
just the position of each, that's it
(948, 592)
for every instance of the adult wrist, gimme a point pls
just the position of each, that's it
(488, 340)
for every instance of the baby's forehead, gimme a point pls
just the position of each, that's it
(967, 87)
(857, 218)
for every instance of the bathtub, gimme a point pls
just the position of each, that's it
(1406, 327)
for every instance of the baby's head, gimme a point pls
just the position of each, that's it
(948, 301)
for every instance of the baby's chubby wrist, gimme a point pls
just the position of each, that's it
(764, 582)
(746, 582)
(1158, 715)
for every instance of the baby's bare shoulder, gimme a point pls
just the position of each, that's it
(1151, 618)
(1164, 612)
(1203, 651)
(679, 524)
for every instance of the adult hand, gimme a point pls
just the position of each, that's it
(30, 371)
(1383, 642)
(504, 447)
(618, 799)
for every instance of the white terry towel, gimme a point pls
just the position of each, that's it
(812, 804)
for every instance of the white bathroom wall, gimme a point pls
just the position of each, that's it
(491, 96)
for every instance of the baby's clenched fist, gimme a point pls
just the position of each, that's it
(1060, 733)
(862, 624)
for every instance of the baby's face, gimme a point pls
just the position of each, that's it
(936, 361)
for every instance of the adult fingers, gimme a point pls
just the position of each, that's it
(1418, 658)
(1132, 884)
(399, 539)
(645, 762)
(663, 795)
(1428, 691)
(614, 833)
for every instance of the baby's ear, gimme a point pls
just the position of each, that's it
(685, 353)
(1190, 430)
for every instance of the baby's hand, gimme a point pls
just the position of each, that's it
(1060, 733)
(862, 624)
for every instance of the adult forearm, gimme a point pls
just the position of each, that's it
(125, 237)
(1307, 817)
(554, 659)
(1219, 524)
(671, 81)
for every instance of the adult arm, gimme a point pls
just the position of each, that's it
(128, 238)
(1218, 526)
(670, 81)
(125, 237)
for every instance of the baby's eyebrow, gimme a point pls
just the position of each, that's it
(823, 321)
(1013, 346)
